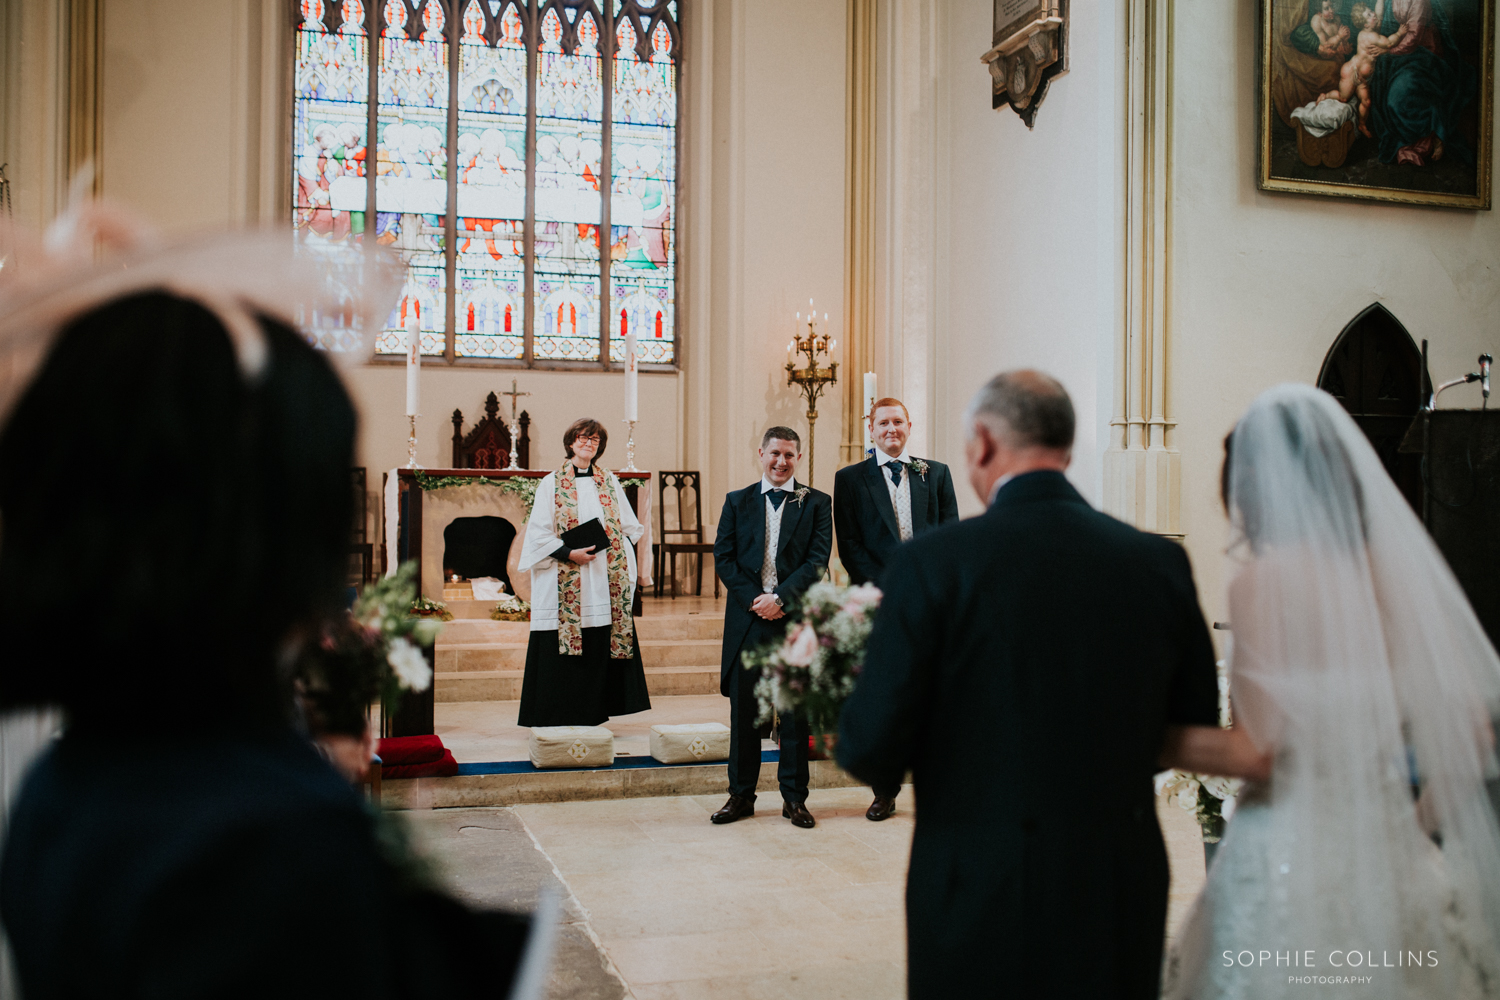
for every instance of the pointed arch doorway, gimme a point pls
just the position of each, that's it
(1374, 370)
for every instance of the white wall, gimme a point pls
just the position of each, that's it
(1263, 283)
(1031, 232)
(558, 399)
(776, 230)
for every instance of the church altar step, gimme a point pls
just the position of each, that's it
(505, 685)
(649, 630)
(608, 783)
(467, 656)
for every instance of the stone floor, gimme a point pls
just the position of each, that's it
(662, 905)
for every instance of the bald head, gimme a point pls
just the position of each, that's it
(1027, 407)
(1018, 421)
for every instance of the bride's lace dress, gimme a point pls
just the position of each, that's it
(1239, 910)
(1358, 660)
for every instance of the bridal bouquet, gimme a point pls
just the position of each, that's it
(814, 667)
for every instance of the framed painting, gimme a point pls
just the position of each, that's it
(1387, 100)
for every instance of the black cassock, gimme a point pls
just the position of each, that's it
(1025, 664)
(584, 690)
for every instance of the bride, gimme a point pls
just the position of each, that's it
(1369, 864)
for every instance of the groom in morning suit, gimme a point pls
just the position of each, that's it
(881, 502)
(773, 543)
(1034, 667)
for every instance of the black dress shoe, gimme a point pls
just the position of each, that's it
(798, 814)
(738, 807)
(881, 809)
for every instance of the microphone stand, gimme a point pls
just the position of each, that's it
(1482, 377)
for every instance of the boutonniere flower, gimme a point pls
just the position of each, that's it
(919, 467)
(800, 495)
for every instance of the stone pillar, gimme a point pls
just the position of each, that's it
(859, 222)
(1142, 466)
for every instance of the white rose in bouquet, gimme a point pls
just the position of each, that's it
(409, 665)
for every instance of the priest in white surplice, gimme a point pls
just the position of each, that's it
(583, 663)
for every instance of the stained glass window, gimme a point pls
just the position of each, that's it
(643, 195)
(329, 123)
(499, 126)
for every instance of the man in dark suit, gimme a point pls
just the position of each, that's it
(887, 499)
(773, 543)
(1034, 667)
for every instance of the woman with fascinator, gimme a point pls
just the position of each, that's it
(1369, 863)
(583, 664)
(175, 504)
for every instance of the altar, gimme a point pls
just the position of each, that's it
(422, 506)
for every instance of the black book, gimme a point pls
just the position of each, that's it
(590, 532)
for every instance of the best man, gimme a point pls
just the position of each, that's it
(887, 499)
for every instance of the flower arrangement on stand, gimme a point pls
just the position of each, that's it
(426, 607)
(401, 624)
(511, 609)
(373, 652)
(1211, 799)
(814, 667)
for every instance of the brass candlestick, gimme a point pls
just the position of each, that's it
(411, 444)
(812, 380)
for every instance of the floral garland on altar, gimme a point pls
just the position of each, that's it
(522, 487)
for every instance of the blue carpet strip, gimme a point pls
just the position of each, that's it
(621, 763)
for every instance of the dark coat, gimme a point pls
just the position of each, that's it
(178, 865)
(866, 521)
(801, 559)
(1025, 664)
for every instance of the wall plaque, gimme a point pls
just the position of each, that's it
(1029, 51)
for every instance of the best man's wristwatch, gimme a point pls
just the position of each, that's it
(777, 599)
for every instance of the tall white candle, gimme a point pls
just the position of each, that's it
(413, 359)
(869, 403)
(631, 376)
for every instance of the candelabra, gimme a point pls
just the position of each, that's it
(812, 380)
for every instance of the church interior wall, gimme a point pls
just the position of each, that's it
(1263, 283)
(1031, 232)
(776, 173)
(170, 128)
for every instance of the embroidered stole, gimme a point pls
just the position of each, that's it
(570, 576)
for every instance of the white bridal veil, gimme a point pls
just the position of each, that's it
(1358, 659)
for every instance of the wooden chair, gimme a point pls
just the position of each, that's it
(360, 546)
(681, 539)
(488, 445)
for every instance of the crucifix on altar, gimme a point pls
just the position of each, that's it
(515, 427)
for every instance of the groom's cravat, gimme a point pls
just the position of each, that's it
(899, 488)
(774, 508)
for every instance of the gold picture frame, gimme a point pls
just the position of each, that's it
(1364, 96)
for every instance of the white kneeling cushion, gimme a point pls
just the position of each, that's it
(572, 746)
(697, 743)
